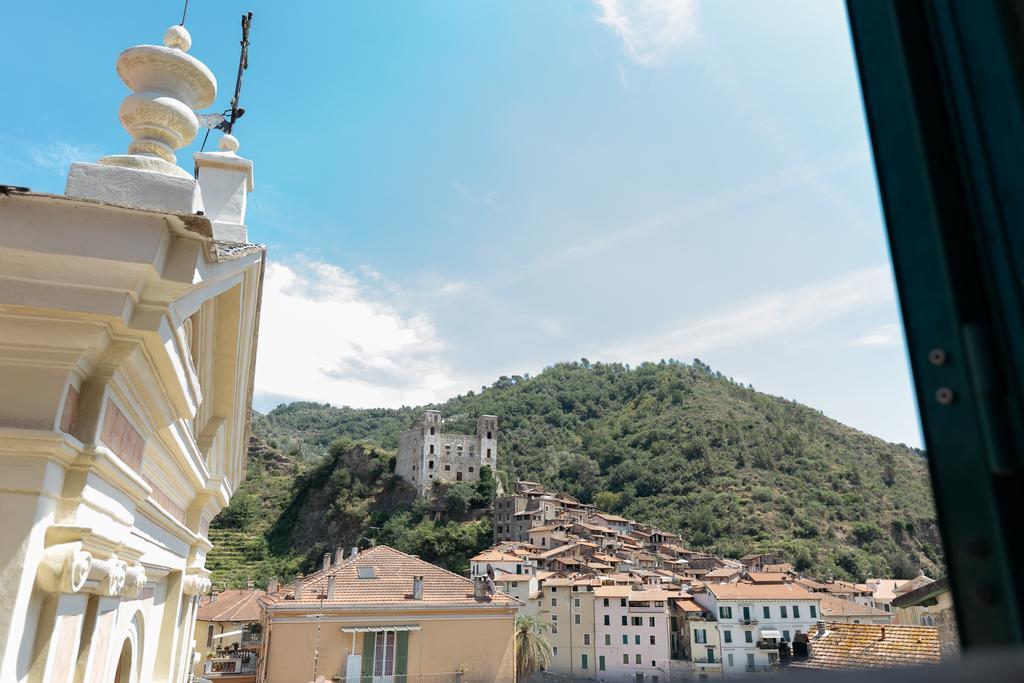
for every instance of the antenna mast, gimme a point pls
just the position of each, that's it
(243, 64)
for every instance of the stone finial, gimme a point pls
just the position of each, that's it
(167, 87)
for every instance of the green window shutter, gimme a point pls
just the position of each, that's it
(401, 653)
(369, 645)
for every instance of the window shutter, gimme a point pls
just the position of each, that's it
(401, 652)
(369, 645)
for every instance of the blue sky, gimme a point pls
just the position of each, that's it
(452, 191)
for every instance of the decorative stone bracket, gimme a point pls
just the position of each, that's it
(196, 584)
(64, 568)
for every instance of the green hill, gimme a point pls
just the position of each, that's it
(676, 445)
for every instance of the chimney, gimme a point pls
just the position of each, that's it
(213, 595)
(339, 554)
(327, 560)
(479, 590)
(273, 585)
(821, 629)
(883, 634)
(354, 551)
(417, 588)
(250, 584)
(298, 588)
(330, 587)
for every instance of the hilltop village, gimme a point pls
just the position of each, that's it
(606, 598)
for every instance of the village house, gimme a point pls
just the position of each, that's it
(753, 619)
(634, 634)
(567, 605)
(384, 615)
(128, 315)
(228, 634)
(849, 612)
(885, 591)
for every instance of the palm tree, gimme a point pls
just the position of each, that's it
(533, 652)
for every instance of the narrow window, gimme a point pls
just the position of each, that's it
(750, 661)
(650, 622)
(431, 449)
(783, 612)
(586, 639)
(785, 635)
(814, 611)
(576, 618)
(431, 431)
(554, 602)
(430, 465)
(608, 639)
(625, 639)
(748, 636)
(638, 659)
(796, 611)
(583, 661)
(636, 639)
(768, 612)
(607, 620)
(490, 436)
(622, 602)
(625, 658)
(605, 602)
(625, 621)
(652, 640)
(727, 636)
(600, 663)
(209, 636)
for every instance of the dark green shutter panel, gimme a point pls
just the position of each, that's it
(401, 653)
(369, 646)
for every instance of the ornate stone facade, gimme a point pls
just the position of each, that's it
(127, 352)
(426, 455)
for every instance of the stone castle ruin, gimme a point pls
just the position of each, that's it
(427, 455)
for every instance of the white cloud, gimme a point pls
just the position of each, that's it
(883, 335)
(486, 199)
(323, 338)
(650, 29)
(776, 313)
(58, 156)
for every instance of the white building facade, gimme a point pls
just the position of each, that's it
(128, 322)
(633, 633)
(753, 619)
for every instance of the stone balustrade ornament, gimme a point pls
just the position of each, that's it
(135, 580)
(168, 86)
(64, 568)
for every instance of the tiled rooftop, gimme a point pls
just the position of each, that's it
(393, 572)
(230, 605)
(750, 591)
(846, 646)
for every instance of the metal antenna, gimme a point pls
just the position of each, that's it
(243, 64)
(184, 13)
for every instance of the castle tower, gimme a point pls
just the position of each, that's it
(129, 327)
(487, 433)
(428, 456)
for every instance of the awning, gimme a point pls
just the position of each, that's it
(380, 629)
(229, 633)
(768, 634)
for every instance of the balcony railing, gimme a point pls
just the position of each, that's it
(249, 638)
(767, 645)
(759, 669)
(706, 661)
(226, 666)
(748, 622)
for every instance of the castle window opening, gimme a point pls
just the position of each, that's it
(447, 468)
(488, 452)
(431, 431)
(430, 464)
(431, 448)
(458, 476)
(489, 435)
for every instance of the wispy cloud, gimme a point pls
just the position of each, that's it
(354, 348)
(486, 199)
(797, 175)
(650, 29)
(883, 335)
(57, 157)
(769, 315)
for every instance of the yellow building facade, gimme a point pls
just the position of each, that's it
(383, 615)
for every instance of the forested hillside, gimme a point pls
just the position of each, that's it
(676, 445)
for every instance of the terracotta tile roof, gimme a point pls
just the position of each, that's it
(782, 567)
(751, 591)
(846, 646)
(832, 606)
(767, 577)
(231, 605)
(612, 591)
(496, 556)
(722, 573)
(392, 584)
(811, 584)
